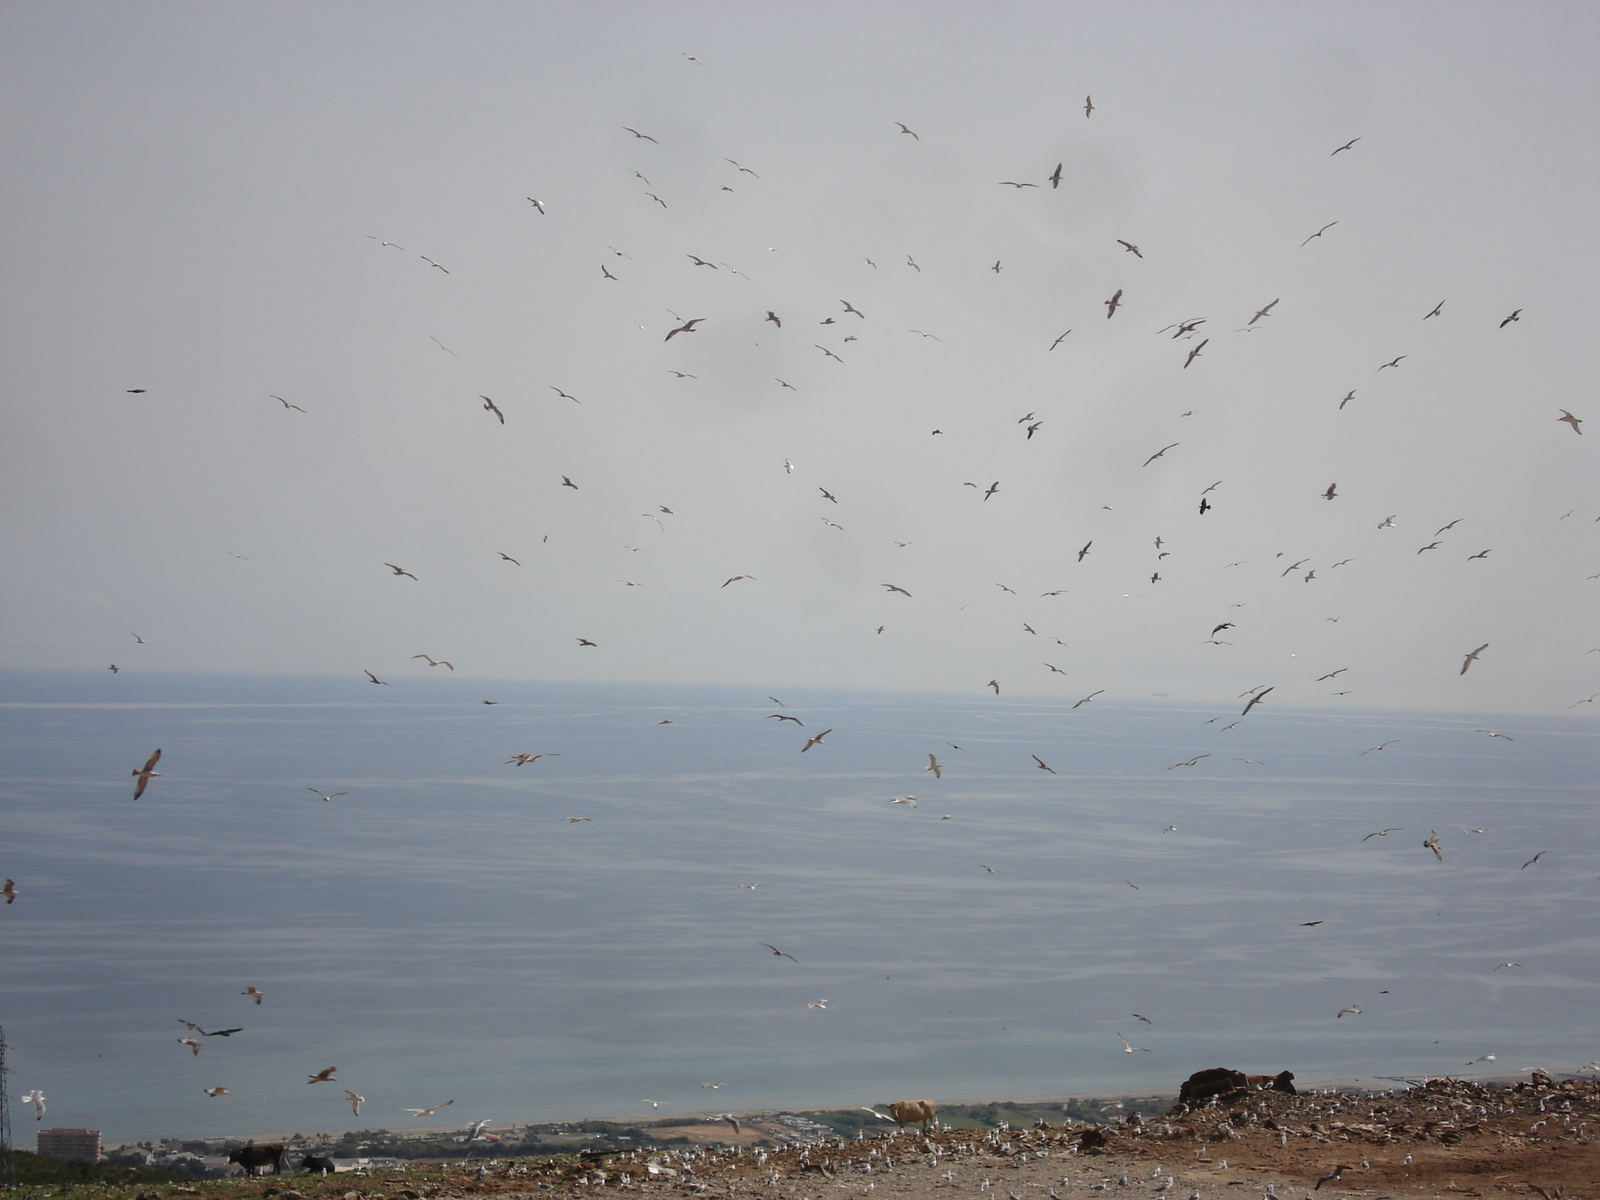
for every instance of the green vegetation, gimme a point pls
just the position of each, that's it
(34, 1170)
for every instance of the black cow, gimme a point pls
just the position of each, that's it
(252, 1158)
(317, 1164)
(1202, 1085)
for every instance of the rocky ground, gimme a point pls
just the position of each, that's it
(1443, 1138)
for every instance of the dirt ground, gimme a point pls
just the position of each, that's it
(1445, 1138)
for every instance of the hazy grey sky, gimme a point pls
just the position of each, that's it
(196, 196)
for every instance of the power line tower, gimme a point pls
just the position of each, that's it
(8, 1167)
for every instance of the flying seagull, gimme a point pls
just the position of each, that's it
(323, 1076)
(1516, 316)
(1195, 353)
(1255, 700)
(1431, 842)
(1321, 231)
(1088, 698)
(1055, 176)
(1395, 362)
(1042, 765)
(1088, 105)
(144, 775)
(436, 662)
(1383, 832)
(780, 953)
(1533, 860)
(1472, 657)
(1113, 304)
(253, 992)
(1062, 338)
(901, 590)
(686, 327)
(1130, 248)
(815, 741)
(903, 129)
(1571, 420)
(194, 1044)
(286, 404)
(375, 679)
(637, 134)
(400, 571)
(490, 406)
(355, 1101)
(1370, 749)
(1346, 146)
(933, 765)
(328, 798)
(1129, 1048)
(562, 394)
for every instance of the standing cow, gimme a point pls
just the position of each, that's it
(252, 1158)
(907, 1112)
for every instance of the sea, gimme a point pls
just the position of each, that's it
(677, 895)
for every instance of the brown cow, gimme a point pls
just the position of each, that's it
(253, 1157)
(906, 1112)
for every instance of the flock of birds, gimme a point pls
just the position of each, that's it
(1193, 330)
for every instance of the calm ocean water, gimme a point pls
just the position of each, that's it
(444, 931)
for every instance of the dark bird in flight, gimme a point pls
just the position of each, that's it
(1346, 146)
(1189, 762)
(1130, 248)
(1088, 105)
(829, 353)
(1113, 304)
(431, 263)
(1533, 860)
(490, 406)
(637, 134)
(1472, 658)
(329, 799)
(1043, 766)
(1429, 546)
(286, 404)
(786, 717)
(851, 308)
(1158, 454)
(1516, 316)
(1394, 362)
(827, 495)
(1264, 312)
(1055, 177)
(736, 579)
(587, 642)
(1569, 419)
(144, 775)
(1085, 549)
(562, 394)
(657, 199)
(1008, 183)
(1332, 1177)
(686, 327)
(773, 317)
(1205, 506)
(1348, 398)
(1331, 492)
(894, 588)
(1321, 231)
(1331, 674)
(817, 740)
(903, 129)
(745, 169)
(1310, 924)
(375, 679)
(400, 571)
(1437, 309)
(1383, 832)
(1432, 843)
(1088, 698)
(700, 262)
(1255, 700)
(566, 482)
(992, 489)
(1062, 338)
(1195, 353)
(211, 1032)
(536, 204)
(507, 557)
(136, 391)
